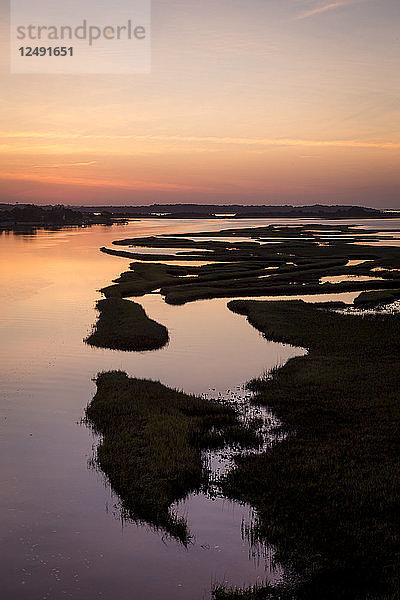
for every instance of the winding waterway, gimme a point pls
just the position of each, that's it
(61, 532)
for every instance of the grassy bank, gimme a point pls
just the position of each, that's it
(145, 278)
(177, 295)
(152, 443)
(124, 325)
(328, 496)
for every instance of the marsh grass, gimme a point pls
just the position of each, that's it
(328, 495)
(139, 281)
(378, 297)
(152, 438)
(124, 325)
(239, 268)
(192, 293)
(256, 592)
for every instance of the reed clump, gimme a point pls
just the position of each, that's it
(124, 325)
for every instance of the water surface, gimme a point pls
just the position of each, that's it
(59, 523)
(61, 536)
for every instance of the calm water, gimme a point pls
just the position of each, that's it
(61, 536)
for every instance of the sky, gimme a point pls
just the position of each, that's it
(247, 102)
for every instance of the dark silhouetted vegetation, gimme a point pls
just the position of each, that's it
(31, 215)
(152, 442)
(142, 280)
(328, 496)
(237, 210)
(303, 255)
(124, 325)
(376, 298)
(256, 592)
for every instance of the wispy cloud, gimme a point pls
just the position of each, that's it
(62, 165)
(273, 141)
(204, 142)
(326, 8)
(99, 182)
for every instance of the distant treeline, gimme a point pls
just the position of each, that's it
(59, 214)
(30, 214)
(234, 210)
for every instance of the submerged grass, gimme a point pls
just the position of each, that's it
(124, 325)
(328, 496)
(256, 592)
(152, 443)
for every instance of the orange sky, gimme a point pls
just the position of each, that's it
(263, 101)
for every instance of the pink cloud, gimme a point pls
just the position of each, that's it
(326, 8)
